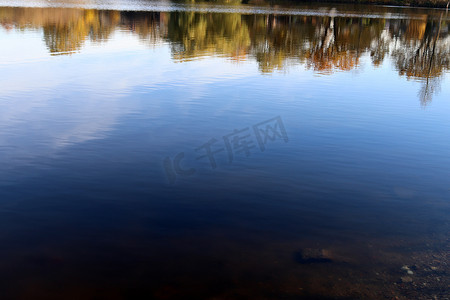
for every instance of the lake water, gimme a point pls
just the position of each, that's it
(206, 150)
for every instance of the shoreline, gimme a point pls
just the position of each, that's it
(389, 3)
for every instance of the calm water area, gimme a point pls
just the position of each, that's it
(223, 150)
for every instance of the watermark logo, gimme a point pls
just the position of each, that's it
(239, 142)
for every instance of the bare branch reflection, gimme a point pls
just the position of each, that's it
(418, 47)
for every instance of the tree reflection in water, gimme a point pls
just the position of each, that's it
(418, 47)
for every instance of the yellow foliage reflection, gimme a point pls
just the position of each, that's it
(419, 47)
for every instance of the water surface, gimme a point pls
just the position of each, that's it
(223, 151)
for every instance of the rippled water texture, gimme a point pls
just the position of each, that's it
(198, 150)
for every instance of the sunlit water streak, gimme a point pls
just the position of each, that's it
(168, 6)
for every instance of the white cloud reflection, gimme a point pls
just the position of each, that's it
(51, 102)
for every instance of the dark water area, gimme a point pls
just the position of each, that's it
(172, 150)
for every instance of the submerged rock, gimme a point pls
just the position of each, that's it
(408, 270)
(406, 279)
(310, 256)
